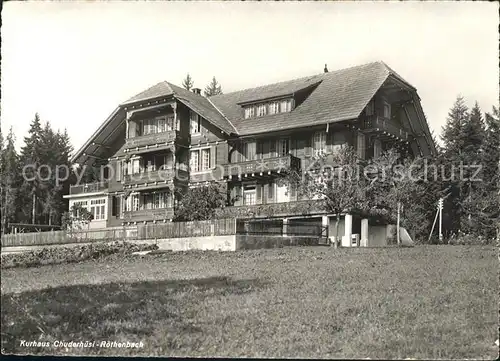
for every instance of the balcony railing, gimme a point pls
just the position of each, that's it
(88, 188)
(295, 208)
(156, 176)
(379, 123)
(142, 215)
(153, 139)
(262, 165)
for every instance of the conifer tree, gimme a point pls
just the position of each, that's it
(214, 88)
(30, 161)
(10, 180)
(188, 82)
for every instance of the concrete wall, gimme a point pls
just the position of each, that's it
(258, 241)
(212, 243)
(231, 243)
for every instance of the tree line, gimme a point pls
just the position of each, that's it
(30, 190)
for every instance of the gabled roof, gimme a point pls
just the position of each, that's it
(334, 97)
(340, 95)
(198, 103)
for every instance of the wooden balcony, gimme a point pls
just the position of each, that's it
(155, 177)
(295, 208)
(376, 123)
(148, 215)
(262, 166)
(88, 188)
(153, 139)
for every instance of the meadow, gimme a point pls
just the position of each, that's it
(438, 302)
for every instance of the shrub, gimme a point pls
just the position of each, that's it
(58, 255)
(467, 239)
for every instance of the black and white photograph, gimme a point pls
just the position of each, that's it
(247, 179)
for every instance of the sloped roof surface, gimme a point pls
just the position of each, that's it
(335, 96)
(161, 89)
(340, 95)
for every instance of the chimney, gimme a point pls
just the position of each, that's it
(326, 69)
(197, 91)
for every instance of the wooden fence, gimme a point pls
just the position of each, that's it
(216, 227)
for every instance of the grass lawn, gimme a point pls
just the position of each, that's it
(423, 302)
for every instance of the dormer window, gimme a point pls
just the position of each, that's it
(274, 107)
(261, 110)
(286, 106)
(268, 108)
(250, 112)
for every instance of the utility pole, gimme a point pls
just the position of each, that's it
(440, 210)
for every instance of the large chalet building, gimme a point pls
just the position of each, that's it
(167, 139)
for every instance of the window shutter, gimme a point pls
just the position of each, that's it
(265, 149)
(251, 150)
(213, 155)
(293, 147)
(259, 149)
(119, 170)
(258, 195)
(307, 147)
(270, 192)
(272, 148)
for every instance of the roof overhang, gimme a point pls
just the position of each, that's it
(96, 143)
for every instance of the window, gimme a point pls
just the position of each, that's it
(370, 108)
(135, 202)
(200, 160)
(274, 108)
(249, 150)
(283, 148)
(249, 111)
(387, 110)
(82, 204)
(261, 110)
(285, 105)
(157, 125)
(319, 143)
(205, 159)
(169, 123)
(195, 122)
(194, 161)
(249, 193)
(98, 208)
(136, 166)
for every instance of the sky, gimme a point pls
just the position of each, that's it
(74, 62)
